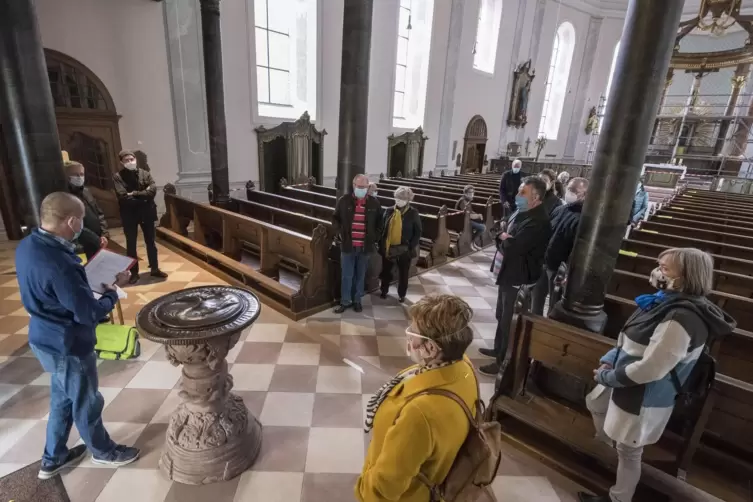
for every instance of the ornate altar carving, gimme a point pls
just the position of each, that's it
(211, 436)
(517, 115)
(405, 153)
(293, 150)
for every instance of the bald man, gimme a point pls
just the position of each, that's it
(357, 222)
(64, 316)
(565, 222)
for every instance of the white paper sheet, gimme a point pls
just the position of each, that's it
(103, 268)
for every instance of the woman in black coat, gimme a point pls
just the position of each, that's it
(399, 243)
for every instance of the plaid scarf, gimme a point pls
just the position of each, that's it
(378, 398)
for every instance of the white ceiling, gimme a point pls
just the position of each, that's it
(618, 7)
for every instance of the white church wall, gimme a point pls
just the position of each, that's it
(123, 43)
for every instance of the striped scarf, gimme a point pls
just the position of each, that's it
(378, 398)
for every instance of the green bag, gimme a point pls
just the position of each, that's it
(115, 341)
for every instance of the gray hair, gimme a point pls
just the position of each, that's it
(374, 186)
(468, 188)
(696, 269)
(578, 185)
(563, 177)
(358, 177)
(517, 163)
(404, 193)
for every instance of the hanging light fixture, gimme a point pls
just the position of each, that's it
(721, 13)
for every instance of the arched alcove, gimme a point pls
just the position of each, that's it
(474, 145)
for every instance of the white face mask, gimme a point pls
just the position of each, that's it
(418, 356)
(659, 280)
(400, 203)
(130, 165)
(76, 181)
(570, 197)
(516, 170)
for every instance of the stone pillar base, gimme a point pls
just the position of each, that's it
(203, 448)
(595, 323)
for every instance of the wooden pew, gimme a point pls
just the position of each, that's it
(672, 240)
(688, 221)
(725, 263)
(704, 216)
(438, 184)
(435, 240)
(744, 201)
(720, 234)
(458, 223)
(480, 203)
(219, 238)
(711, 209)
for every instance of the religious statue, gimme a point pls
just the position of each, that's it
(523, 76)
(540, 146)
(528, 146)
(592, 122)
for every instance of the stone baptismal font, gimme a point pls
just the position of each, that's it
(211, 436)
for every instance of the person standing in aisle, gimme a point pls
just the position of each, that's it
(136, 190)
(508, 186)
(399, 244)
(94, 235)
(357, 221)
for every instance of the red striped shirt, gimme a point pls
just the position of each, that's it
(358, 228)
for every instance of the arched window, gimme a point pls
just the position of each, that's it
(487, 34)
(556, 81)
(611, 73)
(286, 57)
(412, 64)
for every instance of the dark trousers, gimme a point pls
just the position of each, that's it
(403, 270)
(506, 297)
(131, 230)
(74, 398)
(90, 244)
(544, 286)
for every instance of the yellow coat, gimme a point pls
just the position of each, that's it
(426, 437)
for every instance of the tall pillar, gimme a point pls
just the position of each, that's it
(447, 106)
(738, 82)
(27, 111)
(212, 41)
(647, 40)
(354, 91)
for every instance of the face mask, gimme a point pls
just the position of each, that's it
(521, 202)
(400, 203)
(570, 197)
(659, 280)
(76, 234)
(360, 192)
(76, 181)
(418, 356)
(516, 170)
(130, 165)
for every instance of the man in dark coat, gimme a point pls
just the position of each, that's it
(357, 221)
(399, 243)
(508, 186)
(94, 235)
(565, 221)
(136, 189)
(522, 247)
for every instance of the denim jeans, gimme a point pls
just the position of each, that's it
(74, 398)
(353, 270)
(477, 229)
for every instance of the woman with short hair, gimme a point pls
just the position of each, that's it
(412, 435)
(657, 349)
(400, 241)
(551, 199)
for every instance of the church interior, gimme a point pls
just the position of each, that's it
(253, 120)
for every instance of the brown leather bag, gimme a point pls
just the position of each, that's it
(477, 461)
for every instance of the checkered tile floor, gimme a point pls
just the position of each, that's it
(292, 375)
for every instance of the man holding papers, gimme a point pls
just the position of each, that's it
(64, 314)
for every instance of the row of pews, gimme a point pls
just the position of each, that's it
(283, 246)
(709, 445)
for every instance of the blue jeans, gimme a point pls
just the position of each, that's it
(353, 270)
(74, 398)
(477, 228)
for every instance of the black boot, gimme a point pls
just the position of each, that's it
(586, 497)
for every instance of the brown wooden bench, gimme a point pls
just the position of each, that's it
(436, 184)
(704, 216)
(219, 238)
(672, 240)
(687, 221)
(744, 201)
(711, 208)
(431, 182)
(720, 234)
(435, 240)
(457, 222)
(725, 263)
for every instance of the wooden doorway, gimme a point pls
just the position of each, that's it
(87, 125)
(474, 145)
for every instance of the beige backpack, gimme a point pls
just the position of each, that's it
(477, 461)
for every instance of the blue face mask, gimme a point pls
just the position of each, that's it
(76, 235)
(521, 202)
(516, 170)
(360, 192)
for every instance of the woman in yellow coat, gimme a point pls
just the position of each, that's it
(422, 434)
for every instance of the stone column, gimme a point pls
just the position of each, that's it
(579, 112)
(645, 50)
(738, 82)
(212, 40)
(27, 111)
(354, 91)
(447, 105)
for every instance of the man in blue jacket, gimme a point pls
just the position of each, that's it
(64, 316)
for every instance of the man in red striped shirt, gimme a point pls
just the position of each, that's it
(357, 221)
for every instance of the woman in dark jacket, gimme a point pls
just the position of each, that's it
(399, 243)
(551, 200)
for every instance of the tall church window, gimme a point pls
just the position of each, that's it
(286, 57)
(611, 73)
(556, 81)
(412, 63)
(487, 34)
